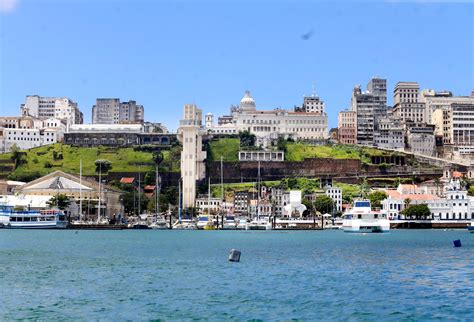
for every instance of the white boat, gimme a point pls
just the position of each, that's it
(185, 224)
(159, 223)
(261, 223)
(362, 219)
(229, 223)
(203, 221)
(43, 219)
(241, 223)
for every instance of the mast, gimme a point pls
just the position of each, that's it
(180, 206)
(100, 180)
(139, 190)
(80, 190)
(222, 180)
(258, 192)
(209, 198)
(157, 205)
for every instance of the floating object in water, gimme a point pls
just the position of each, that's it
(76, 231)
(234, 255)
(457, 243)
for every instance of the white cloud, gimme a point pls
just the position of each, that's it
(8, 6)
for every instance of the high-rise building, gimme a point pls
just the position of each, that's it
(312, 104)
(369, 106)
(112, 111)
(346, 125)
(390, 134)
(43, 108)
(434, 100)
(407, 105)
(192, 156)
(456, 124)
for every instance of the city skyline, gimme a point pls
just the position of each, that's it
(164, 65)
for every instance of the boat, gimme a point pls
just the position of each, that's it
(185, 224)
(259, 223)
(229, 223)
(159, 223)
(204, 222)
(32, 219)
(470, 228)
(362, 219)
(241, 223)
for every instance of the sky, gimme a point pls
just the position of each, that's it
(165, 54)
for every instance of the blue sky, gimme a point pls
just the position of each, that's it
(165, 54)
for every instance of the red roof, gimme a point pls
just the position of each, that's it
(457, 174)
(127, 180)
(149, 187)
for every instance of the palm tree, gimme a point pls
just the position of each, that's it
(59, 201)
(407, 202)
(437, 183)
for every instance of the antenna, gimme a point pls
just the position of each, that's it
(314, 90)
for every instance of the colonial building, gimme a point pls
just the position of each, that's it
(308, 122)
(112, 111)
(61, 108)
(118, 135)
(27, 132)
(346, 125)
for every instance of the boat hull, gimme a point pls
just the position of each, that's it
(361, 226)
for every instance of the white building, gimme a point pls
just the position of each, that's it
(221, 129)
(335, 194)
(390, 134)
(192, 156)
(41, 133)
(421, 139)
(268, 125)
(442, 100)
(61, 108)
(209, 205)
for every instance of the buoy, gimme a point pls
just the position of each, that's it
(234, 255)
(457, 243)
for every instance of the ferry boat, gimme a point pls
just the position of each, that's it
(32, 219)
(362, 219)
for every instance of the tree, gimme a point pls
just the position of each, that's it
(376, 198)
(59, 201)
(324, 204)
(437, 183)
(158, 157)
(407, 202)
(309, 207)
(130, 202)
(246, 139)
(17, 156)
(417, 211)
(364, 188)
(102, 166)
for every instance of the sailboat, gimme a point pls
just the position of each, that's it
(259, 222)
(183, 223)
(159, 222)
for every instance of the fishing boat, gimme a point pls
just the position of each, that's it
(362, 219)
(159, 222)
(39, 219)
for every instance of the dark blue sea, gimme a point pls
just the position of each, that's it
(308, 275)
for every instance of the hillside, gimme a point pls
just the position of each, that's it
(46, 159)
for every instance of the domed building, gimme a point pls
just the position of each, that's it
(247, 103)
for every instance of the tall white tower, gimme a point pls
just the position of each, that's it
(209, 120)
(192, 157)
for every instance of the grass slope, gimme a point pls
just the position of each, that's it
(123, 159)
(226, 147)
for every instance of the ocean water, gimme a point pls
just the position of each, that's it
(309, 275)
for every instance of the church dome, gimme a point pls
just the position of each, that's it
(247, 103)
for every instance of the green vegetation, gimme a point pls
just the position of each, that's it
(417, 212)
(226, 147)
(323, 204)
(376, 198)
(59, 201)
(43, 160)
